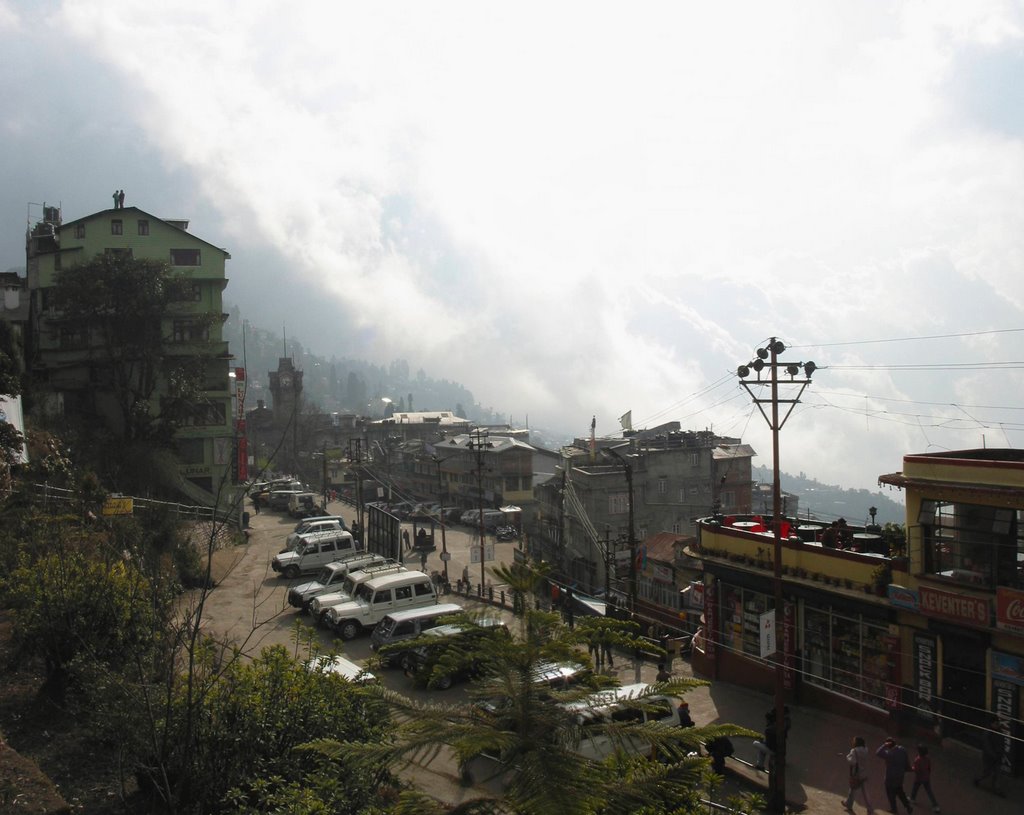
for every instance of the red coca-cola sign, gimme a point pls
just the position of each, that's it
(1010, 609)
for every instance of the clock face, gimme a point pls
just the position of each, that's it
(286, 381)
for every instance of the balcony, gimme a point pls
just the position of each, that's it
(747, 543)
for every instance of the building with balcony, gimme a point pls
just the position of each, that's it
(924, 631)
(69, 371)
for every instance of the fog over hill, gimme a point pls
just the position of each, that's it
(827, 501)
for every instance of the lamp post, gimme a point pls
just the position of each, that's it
(769, 358)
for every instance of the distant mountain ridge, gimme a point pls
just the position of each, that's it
(828, 502)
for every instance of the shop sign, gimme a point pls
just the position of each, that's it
(695, 596)
(925, 675)
(767, 625)
(1004, 704)
(1010, 609)
(118, 506)
(1008, 668)
(903, 598)
(663, 574)
(951, 606)
(710, 620)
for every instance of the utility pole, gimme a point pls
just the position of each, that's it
(440, 498)
(355, 457)
(777, 774)
(478, 443)
(631, 541)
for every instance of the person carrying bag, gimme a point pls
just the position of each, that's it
(856, 759)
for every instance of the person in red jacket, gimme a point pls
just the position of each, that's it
(922, 768)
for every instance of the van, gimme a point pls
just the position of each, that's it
(330, 578)
(406, 625)
(310, 552)
(304, 504)
(377, 598)
(337, 664)
(320, 605)
(279, 499)
(599, 712)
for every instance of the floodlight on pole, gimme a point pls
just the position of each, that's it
(768, 358)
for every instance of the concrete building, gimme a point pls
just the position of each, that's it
(69, 370)
(922, 633)
(608, 493)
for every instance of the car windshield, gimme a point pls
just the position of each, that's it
(324, 577)
(364, 592)
(350, 586)
(385, 626)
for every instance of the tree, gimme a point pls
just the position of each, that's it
(532, 729)
(117, 306)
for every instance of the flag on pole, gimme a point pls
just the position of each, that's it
(626, 420)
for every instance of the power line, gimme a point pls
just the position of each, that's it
(913, 339)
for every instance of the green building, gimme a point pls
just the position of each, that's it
(67, 367)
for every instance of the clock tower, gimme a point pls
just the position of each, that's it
(286, 390)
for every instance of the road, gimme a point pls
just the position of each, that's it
(250, 607)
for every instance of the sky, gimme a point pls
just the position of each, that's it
(576, 209)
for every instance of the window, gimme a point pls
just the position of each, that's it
(741, 619)
(328, 546)
(116, 226)
(694, 459)
(971, 543)
(205, 414)
(662, 486)
(71, 338)
(143, 226)
(675, 528)
(186, 330)
(382, 596)
(184, 257)
(79, 230)
(618, 503)
(118, 252)
(191, 451)
(424, 589)
(403, 593)
(849, 654)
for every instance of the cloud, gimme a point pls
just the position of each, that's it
(577, 211)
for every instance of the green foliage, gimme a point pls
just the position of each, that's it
(228, 743)
(77, 599)
(10, 360)
(520, 734)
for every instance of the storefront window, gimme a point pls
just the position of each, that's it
(848, 655)
(970, 543)
(741, 619)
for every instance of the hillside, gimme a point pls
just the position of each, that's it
(828, 501)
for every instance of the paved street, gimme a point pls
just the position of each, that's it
(249, 605)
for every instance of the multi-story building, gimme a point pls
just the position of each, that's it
(610, 492)
(66, 367)
(923, 630)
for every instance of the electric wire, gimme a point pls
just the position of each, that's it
(913, 339)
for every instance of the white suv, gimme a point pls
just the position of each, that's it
(376, 598)
(331, 578)
(343, 593)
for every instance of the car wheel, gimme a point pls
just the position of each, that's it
(292, 572)
(349, 630)
(443, 683)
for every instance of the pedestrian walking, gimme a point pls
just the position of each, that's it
(922, 768)
(897, 765)
(406, 545)
(423, 560)
(992, 746)
(857, 759)
(256, 503)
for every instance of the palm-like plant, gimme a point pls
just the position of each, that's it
(518, 739)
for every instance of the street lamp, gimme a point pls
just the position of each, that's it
(799, 374)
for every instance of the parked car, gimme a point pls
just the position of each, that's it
(320, 523)
(341, 666)
(321, 604)
(452, 652)
(331, 578)
(312, 551)
(401, 626)
(376, 598)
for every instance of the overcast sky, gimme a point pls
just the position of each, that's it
(576, 209)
